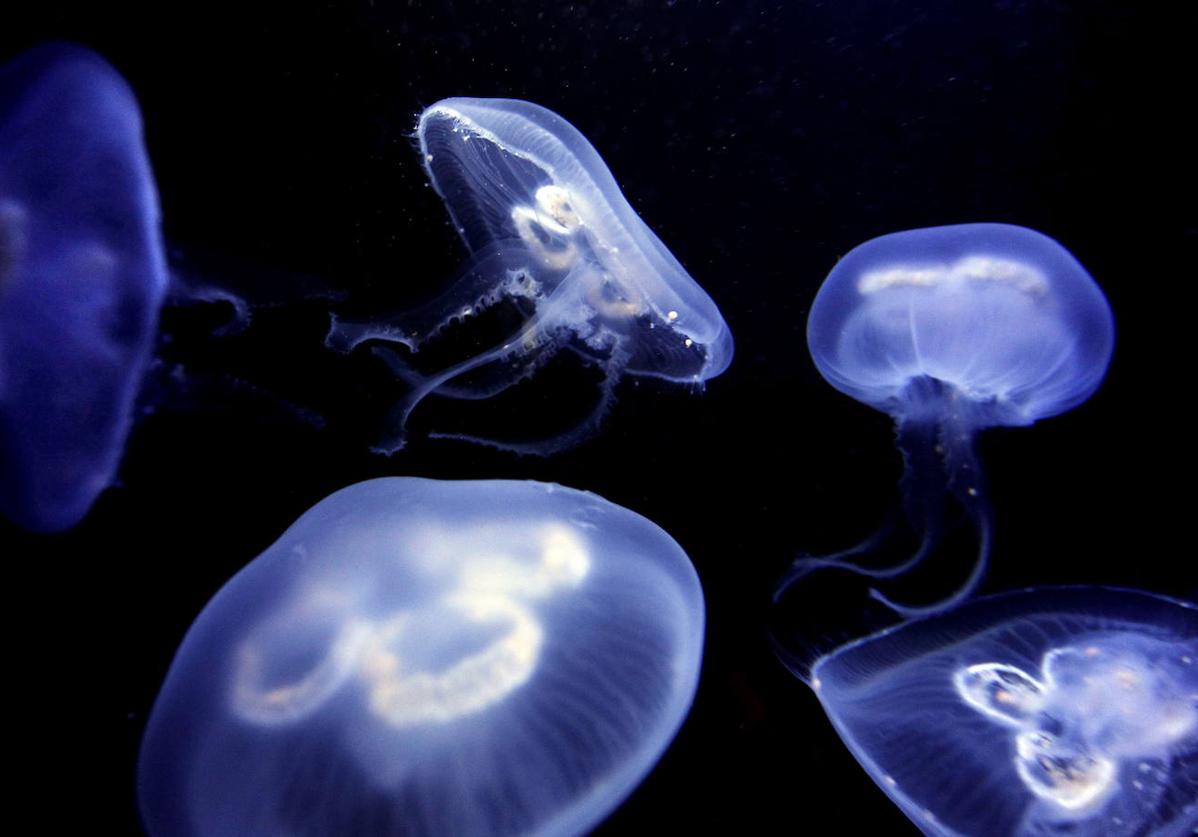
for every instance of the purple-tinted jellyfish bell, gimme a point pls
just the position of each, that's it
(429, 658)
(547, 225)
(1052, 711)
(951, 330)
(82, 278)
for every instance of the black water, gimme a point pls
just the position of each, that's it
(760, 141)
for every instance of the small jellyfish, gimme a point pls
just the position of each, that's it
(422, 657)
(546, 226)
(951, 330)
(1052, 711)
(82, 277)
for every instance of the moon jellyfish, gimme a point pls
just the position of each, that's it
(82, 277)
(1053, 711)
(951, 330)
(548, 228)
(422, 657)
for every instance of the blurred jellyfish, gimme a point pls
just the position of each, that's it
(422, 657)
(82, 277)
(951, 330)
(1052, 711)
(83, 281)
(547, 226)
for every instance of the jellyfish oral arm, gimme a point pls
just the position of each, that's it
(938, 462)
(534, 336)
(499, 271)
(950, 468)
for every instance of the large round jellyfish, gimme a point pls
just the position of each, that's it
(82, 277)
(951, 330)
(422, 657)
(1053, 711)
(547, 225)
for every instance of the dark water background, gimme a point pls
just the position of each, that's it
(760, 141)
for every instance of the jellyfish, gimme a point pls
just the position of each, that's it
(423, 657)
(547, 227)
(950, 330)
(1047, 711)
(82, 277)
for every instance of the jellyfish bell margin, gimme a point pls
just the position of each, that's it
(545, 224)
(950, 330)
(431, 657)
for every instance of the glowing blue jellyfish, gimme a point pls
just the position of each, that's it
(950, 330)
(1055, 711)
(421, 657)
(547, 225)
(82, 278)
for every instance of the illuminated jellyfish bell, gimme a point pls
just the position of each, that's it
(546, 225)
(951, 330)
(422, 657)
(82, 277)
(1053, 711)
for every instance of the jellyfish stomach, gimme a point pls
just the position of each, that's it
(1093, 707)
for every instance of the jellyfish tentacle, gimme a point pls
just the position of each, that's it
(433, 383)
(499, 271)
(967, 588)
(962, 477)
(939, 460)
(555, 312)
(550, 445)
(189, 294)
(473, 390)
(805, 565)
(923, 482)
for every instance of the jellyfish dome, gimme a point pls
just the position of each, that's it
(82, 277)
(1000, 319)
(1050, 711)
(951, 330)
(422, 657)
(547, 225)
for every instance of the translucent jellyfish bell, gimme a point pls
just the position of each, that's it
(950, 330)
(82, 277)
(546, 223)
(422, 657)
(1055, 711)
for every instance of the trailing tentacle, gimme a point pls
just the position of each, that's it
(550, 445)
(963, 478)
(923, 483)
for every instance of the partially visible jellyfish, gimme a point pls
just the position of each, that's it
(951, 330)
(1052, 711)
(422, 657)
(547, 226)
(82, 277)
